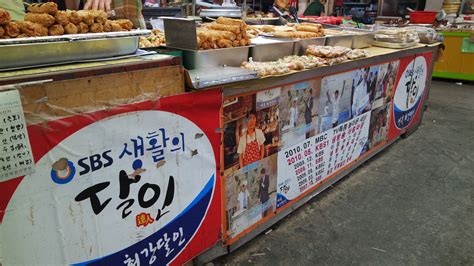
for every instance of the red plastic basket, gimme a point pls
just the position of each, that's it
(423, 17)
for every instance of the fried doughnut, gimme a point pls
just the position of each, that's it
(5, 17)
(125, 24)
(49, 8)
(73, 17)
(56, 30)
(82, 28)
(43, 19)
(2, 31)
(12, 30)
(116, 26)
(61, 18)
(32, 29)
(70, 29)
(100, 16)
(96, 27)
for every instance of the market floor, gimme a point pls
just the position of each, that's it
(412, 204)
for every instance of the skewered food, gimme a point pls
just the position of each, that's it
(48, 8)
(43, 19)
(5, 17)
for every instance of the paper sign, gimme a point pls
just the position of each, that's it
(16, 158)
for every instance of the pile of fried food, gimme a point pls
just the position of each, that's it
(291, 31)
(316, 56)
(46, 20)
(223, 33)
(335, 54)
(155, 39)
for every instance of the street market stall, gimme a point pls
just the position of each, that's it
(112, 163)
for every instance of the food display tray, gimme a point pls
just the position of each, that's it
(339, 40)
(198, 59)
(271, 49)
(23, 52)
(362, 38)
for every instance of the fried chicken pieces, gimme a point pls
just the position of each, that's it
(45, 19)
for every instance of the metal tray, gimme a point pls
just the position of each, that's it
(339, 40)
(193, 59)
(270, 49)
(301, 45)
(362, 38)
(23, 52)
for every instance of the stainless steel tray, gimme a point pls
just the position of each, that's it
(23, 52)
(339, 40)
(362, 38)
(234, 57)
(301, 45)
(270, 49)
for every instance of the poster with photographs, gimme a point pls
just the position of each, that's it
(364, 89)
(335, 100)
(251, 141)
(299, 107)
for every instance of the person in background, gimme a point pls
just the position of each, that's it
(294, 113)
(15, 8)
(335, 101)
(316, 8)
(308, 111)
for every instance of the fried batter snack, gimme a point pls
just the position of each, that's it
(73, 17)
(82, 28)
(231, 21)
(223, 27)
(56, 30)
(125, 24)
(96, 27)
(108, 26)
(308, 28)
(100, 16)
(61, 18)
(5, 17)
(70, 29)
(116, 26)
(295, 34)
(215, 35)
(2, 31)
(87, 17)
(43, 19)
(223, 43)
(49, 8)
(12, 30)
(32, 29)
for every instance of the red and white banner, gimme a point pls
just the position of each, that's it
(136, 184)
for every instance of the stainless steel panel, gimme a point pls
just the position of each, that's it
(215, 57)
(301, 45)
(339, 40)
(31, 54)
(271, 51)
(180, 33)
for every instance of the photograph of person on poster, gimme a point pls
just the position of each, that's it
(335, 100)
(243, 197)
(294, 113)
(308, 110)
(263, 192)
(251, 143)
(361, 97)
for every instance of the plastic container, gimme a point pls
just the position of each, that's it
(423, 17)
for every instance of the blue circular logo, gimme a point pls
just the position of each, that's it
(64, 176)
